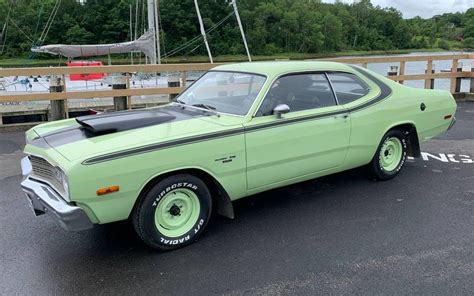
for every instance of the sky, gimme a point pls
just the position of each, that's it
(423, 8)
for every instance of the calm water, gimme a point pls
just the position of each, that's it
(420, 67)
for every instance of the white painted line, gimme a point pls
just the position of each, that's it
(445, 157)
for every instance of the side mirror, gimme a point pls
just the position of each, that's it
(281, 109)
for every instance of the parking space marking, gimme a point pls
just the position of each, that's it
(445, 157)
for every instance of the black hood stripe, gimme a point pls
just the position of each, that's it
(385, 91)
(106, 123)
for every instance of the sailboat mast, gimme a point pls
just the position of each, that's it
(151, 27)
(3, 35)
(157, 31)
(131, 31)
(203, 32)
(136, 19)
(234, 4)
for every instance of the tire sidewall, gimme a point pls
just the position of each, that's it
(380, 171)
(157, 193)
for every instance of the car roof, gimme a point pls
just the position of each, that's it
(280, 67)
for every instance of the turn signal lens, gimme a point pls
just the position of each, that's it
(447, 117)
(107, 190)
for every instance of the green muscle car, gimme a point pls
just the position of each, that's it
(238, 130)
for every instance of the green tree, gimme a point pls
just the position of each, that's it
(443, 44)
(333, 33)
(469, 43)
(78, 35)
(271, 26)
(469, 23)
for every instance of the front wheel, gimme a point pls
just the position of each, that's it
(173, 213)
(390, 156)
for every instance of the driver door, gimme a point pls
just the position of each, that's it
(312, 137)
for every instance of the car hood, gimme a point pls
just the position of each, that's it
(91, 136)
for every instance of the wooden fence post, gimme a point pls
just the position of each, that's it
(429, 83)
(58, 107)
(402, 71)
(119, 82)
(127, 85)
(173, 81)
(454, 69)
(66, 107)
(458, 80)
(471, 88)
(183, 79)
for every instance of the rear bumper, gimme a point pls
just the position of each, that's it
(45, 200)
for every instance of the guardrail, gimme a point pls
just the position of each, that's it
(62, 94)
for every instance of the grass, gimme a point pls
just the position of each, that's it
(22, 62)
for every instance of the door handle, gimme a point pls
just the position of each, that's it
(344, 116)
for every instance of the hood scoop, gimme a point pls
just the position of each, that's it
(123, 120)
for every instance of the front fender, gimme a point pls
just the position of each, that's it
(219, 193)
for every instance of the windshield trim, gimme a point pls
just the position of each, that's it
(220, 112)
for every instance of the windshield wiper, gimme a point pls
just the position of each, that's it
(179, 101)
(205, 106)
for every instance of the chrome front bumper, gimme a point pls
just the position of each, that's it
(43, 200)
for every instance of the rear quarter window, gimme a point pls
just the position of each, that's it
(348, 87)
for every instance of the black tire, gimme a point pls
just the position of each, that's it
(376, 167)
(143, 216)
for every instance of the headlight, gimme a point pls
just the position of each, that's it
(26, 167)
(66, 186)
(61, 177)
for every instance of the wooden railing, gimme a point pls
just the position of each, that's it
(87, 94)
(454, 74)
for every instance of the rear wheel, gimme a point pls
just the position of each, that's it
(390, 156)
(173, 213)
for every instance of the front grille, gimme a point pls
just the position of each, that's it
(45, 171)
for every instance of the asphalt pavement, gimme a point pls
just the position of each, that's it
(341, 234)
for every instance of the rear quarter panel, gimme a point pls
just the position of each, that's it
(402, 107)
(432, 122)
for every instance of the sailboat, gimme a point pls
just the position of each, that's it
(147, 44)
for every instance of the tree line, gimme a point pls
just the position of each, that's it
(271, 26)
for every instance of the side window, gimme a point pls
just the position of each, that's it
(348, 87)
(299, 92)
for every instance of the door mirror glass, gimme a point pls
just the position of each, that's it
(281, 109)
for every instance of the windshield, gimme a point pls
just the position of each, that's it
(226, 92)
